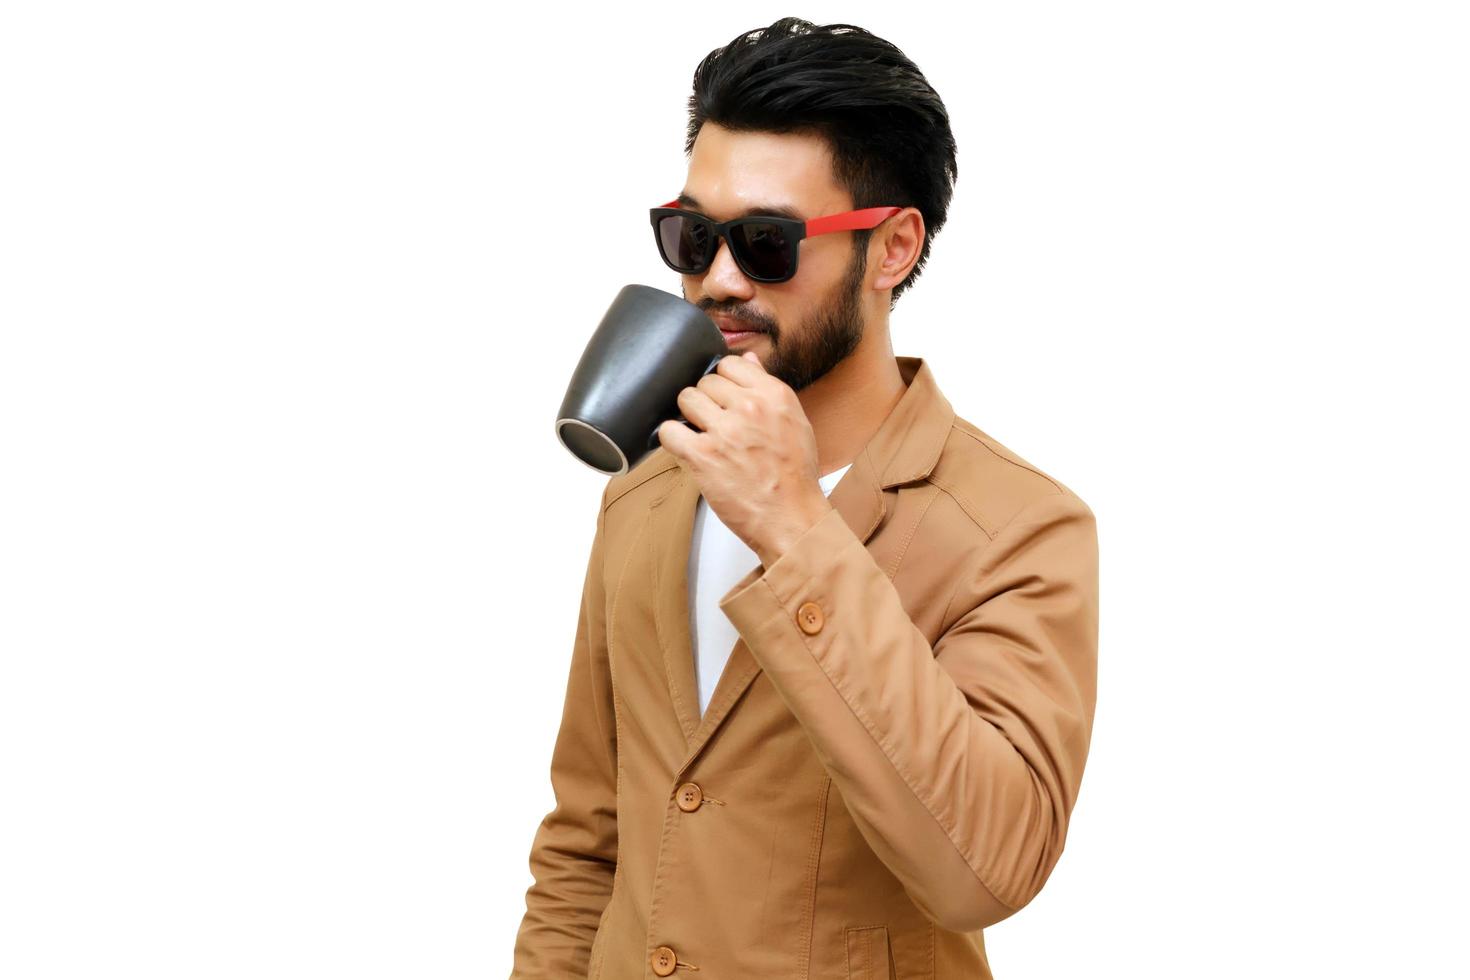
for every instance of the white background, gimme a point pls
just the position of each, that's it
(290, 558)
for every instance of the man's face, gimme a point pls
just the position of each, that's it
(813, 320)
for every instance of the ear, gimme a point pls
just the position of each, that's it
(901, 247)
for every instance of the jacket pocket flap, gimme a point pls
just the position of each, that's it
(867, 953)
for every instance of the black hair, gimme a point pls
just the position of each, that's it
(887, 128)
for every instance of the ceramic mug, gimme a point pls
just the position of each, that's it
(650, 346)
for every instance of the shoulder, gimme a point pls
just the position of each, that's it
(650, 477)
(990, 484)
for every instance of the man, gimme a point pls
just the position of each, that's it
(834, 674)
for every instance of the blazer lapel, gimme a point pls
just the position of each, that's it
(670, 534)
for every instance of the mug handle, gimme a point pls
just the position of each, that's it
(653, 442)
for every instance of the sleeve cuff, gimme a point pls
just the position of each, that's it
(764, 606)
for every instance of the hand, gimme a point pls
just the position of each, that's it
(755, 456)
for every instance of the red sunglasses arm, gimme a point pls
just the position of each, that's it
(851, 220)
(846, 221)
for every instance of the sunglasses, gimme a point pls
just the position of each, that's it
(764, 246)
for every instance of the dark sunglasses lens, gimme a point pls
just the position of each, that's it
(763, 249)
(685, 242)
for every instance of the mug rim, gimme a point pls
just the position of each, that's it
(623, 459)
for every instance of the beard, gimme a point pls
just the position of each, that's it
(802, 355)
(825, 339)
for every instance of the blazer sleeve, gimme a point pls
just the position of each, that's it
(959, 763)
(575, 849)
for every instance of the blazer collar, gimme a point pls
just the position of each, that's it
(904, 449)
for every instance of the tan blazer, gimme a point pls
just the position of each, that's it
(887, 764)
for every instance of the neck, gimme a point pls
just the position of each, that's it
(847, 404)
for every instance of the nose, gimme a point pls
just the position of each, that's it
(723, 279)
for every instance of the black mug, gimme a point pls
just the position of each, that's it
(649, 346)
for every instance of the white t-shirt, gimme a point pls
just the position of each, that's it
(717, 560)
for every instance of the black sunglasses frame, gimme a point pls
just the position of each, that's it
(794, 231)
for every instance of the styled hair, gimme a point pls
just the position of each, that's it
(887, 128)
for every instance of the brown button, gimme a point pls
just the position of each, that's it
(809, 617)
(689, 797)
(662, 961)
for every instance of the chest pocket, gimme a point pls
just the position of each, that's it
(868, 957)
